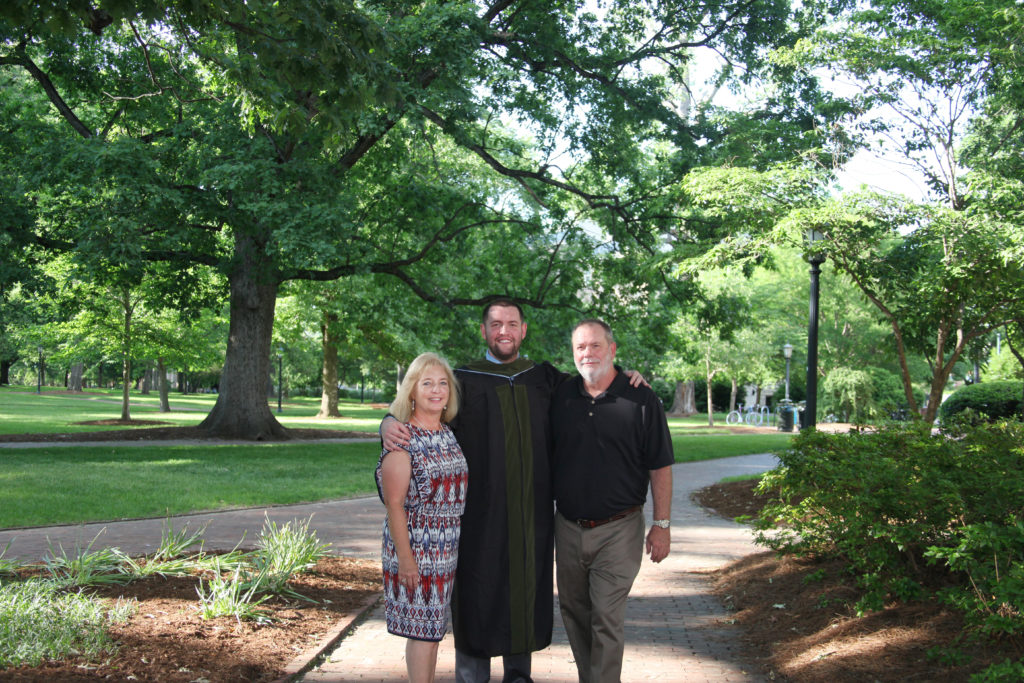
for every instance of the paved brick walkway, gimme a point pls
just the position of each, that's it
(676, 631)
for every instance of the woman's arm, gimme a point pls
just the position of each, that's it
(396, 472)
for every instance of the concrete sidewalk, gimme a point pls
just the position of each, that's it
(676, 630)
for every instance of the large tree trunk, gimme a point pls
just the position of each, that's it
(329, 374)
(5, 371)
(242, 410)
(684, 403)
(732, 394)
(75, 378)
(161, 379)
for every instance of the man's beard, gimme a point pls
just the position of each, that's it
(504, 357)
(593, 374)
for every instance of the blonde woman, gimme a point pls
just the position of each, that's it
(424, 492)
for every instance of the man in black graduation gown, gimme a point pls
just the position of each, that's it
(503, 601)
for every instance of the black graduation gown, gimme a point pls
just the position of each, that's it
(502, 601)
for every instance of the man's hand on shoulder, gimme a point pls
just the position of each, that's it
(393, 434)
(635, 378)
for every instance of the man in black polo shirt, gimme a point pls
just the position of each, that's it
(610, 441)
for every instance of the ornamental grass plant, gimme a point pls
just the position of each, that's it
(85, 567)
(235, 594)
(8, 568)
(40, 620)
(286, 550)
(53, 616)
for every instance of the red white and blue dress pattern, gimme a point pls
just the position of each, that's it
(433, 506)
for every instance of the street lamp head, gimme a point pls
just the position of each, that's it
(814, 238)
(787, 351)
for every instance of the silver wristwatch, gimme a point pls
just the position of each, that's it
(663, 523)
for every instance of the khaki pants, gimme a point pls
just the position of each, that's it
(595, 571)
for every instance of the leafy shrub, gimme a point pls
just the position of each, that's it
(991, 556)
(848, 393)
(1003, 365)
(885, 501)
(988, 401)
(867, 395)
(890, 398)
(1007, 670)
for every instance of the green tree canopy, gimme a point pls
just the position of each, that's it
(310, 140)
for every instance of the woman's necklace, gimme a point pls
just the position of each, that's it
(423, 426)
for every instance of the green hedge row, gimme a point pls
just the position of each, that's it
(986, 401)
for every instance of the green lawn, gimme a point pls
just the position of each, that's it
(72, 484)
(22, 411)
(43, 486)
(709, 446)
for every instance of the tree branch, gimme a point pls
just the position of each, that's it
(387, 266)
(22, 59)
(594, 201)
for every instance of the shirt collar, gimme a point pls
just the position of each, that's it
(614, 389)
(490, 356)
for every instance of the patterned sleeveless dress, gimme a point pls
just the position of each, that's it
(433, 505)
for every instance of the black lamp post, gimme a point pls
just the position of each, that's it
(787, 351)
(815, 258)
(39, 371)
(280, 357)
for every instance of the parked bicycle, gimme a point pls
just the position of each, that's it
(754, 416)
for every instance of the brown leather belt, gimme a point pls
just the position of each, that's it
(591, 523)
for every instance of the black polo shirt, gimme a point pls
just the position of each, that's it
(605, 447)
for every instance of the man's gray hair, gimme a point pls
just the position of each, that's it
(599, 323)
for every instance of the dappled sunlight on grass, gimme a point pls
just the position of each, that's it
(56, 411)
(102, 483)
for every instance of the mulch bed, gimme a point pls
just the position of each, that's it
(798, 624)
(167, 641)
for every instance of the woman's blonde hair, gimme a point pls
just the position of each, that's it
(401, 407)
